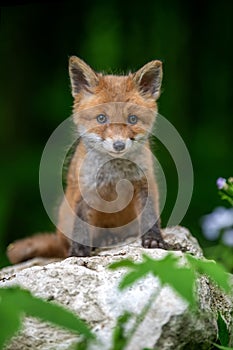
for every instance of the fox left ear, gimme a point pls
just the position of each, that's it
(149, 78)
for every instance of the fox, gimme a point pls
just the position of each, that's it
(111, 190)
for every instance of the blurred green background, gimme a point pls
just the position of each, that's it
(192, 38)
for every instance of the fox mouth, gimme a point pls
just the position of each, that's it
(117, 153)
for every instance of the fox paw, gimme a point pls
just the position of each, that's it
(80, 250)
(154, 239)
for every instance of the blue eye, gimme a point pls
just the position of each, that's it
(101, 118)
(132, 119)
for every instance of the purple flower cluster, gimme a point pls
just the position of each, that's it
(226, 189)
(219, 224)
(220, 221)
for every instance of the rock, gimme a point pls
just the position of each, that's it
(88, 288)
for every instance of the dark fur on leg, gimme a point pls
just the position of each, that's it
(78, 249)
(153, 238)
(81, 232)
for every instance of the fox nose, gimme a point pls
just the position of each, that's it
(118, 145)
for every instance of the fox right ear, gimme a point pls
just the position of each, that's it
(82, 76)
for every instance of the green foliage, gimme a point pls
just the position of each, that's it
(15, 303)
(119, 337)
(167, 271)
(213, 270)
(221, 247)
(222, 347)
(82, 345)
(222, 254)
(226, 197)
(226, 190)
(223, 334)
(170, 272)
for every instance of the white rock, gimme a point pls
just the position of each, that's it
(88, 288)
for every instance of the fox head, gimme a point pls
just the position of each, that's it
(114, 114)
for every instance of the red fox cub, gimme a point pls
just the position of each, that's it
(111, 191)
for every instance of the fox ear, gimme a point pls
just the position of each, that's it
(81, 75)
(149, 78)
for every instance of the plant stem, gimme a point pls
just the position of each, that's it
(141, 316)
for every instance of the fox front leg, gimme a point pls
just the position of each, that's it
(80, 244)
(78, 249)
(150, 230)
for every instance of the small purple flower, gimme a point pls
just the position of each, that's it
(228, 237)
(212, 224)
(221, 183)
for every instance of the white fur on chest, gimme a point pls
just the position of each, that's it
(99, 169)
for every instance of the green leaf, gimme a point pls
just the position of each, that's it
(222, 347)
(53, 313)
(20, 301)
(222, 254)
(180, 278)
(120, 340)
(170, 273)
(225, 196)
(122, 263)
(132, 277)
(82, 346)
(10, 320)
(140, 270)
(215, 271)
(223, 333)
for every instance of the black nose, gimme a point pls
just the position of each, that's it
(118, 145)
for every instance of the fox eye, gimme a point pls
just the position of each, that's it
(132, 119)
(101, 118)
